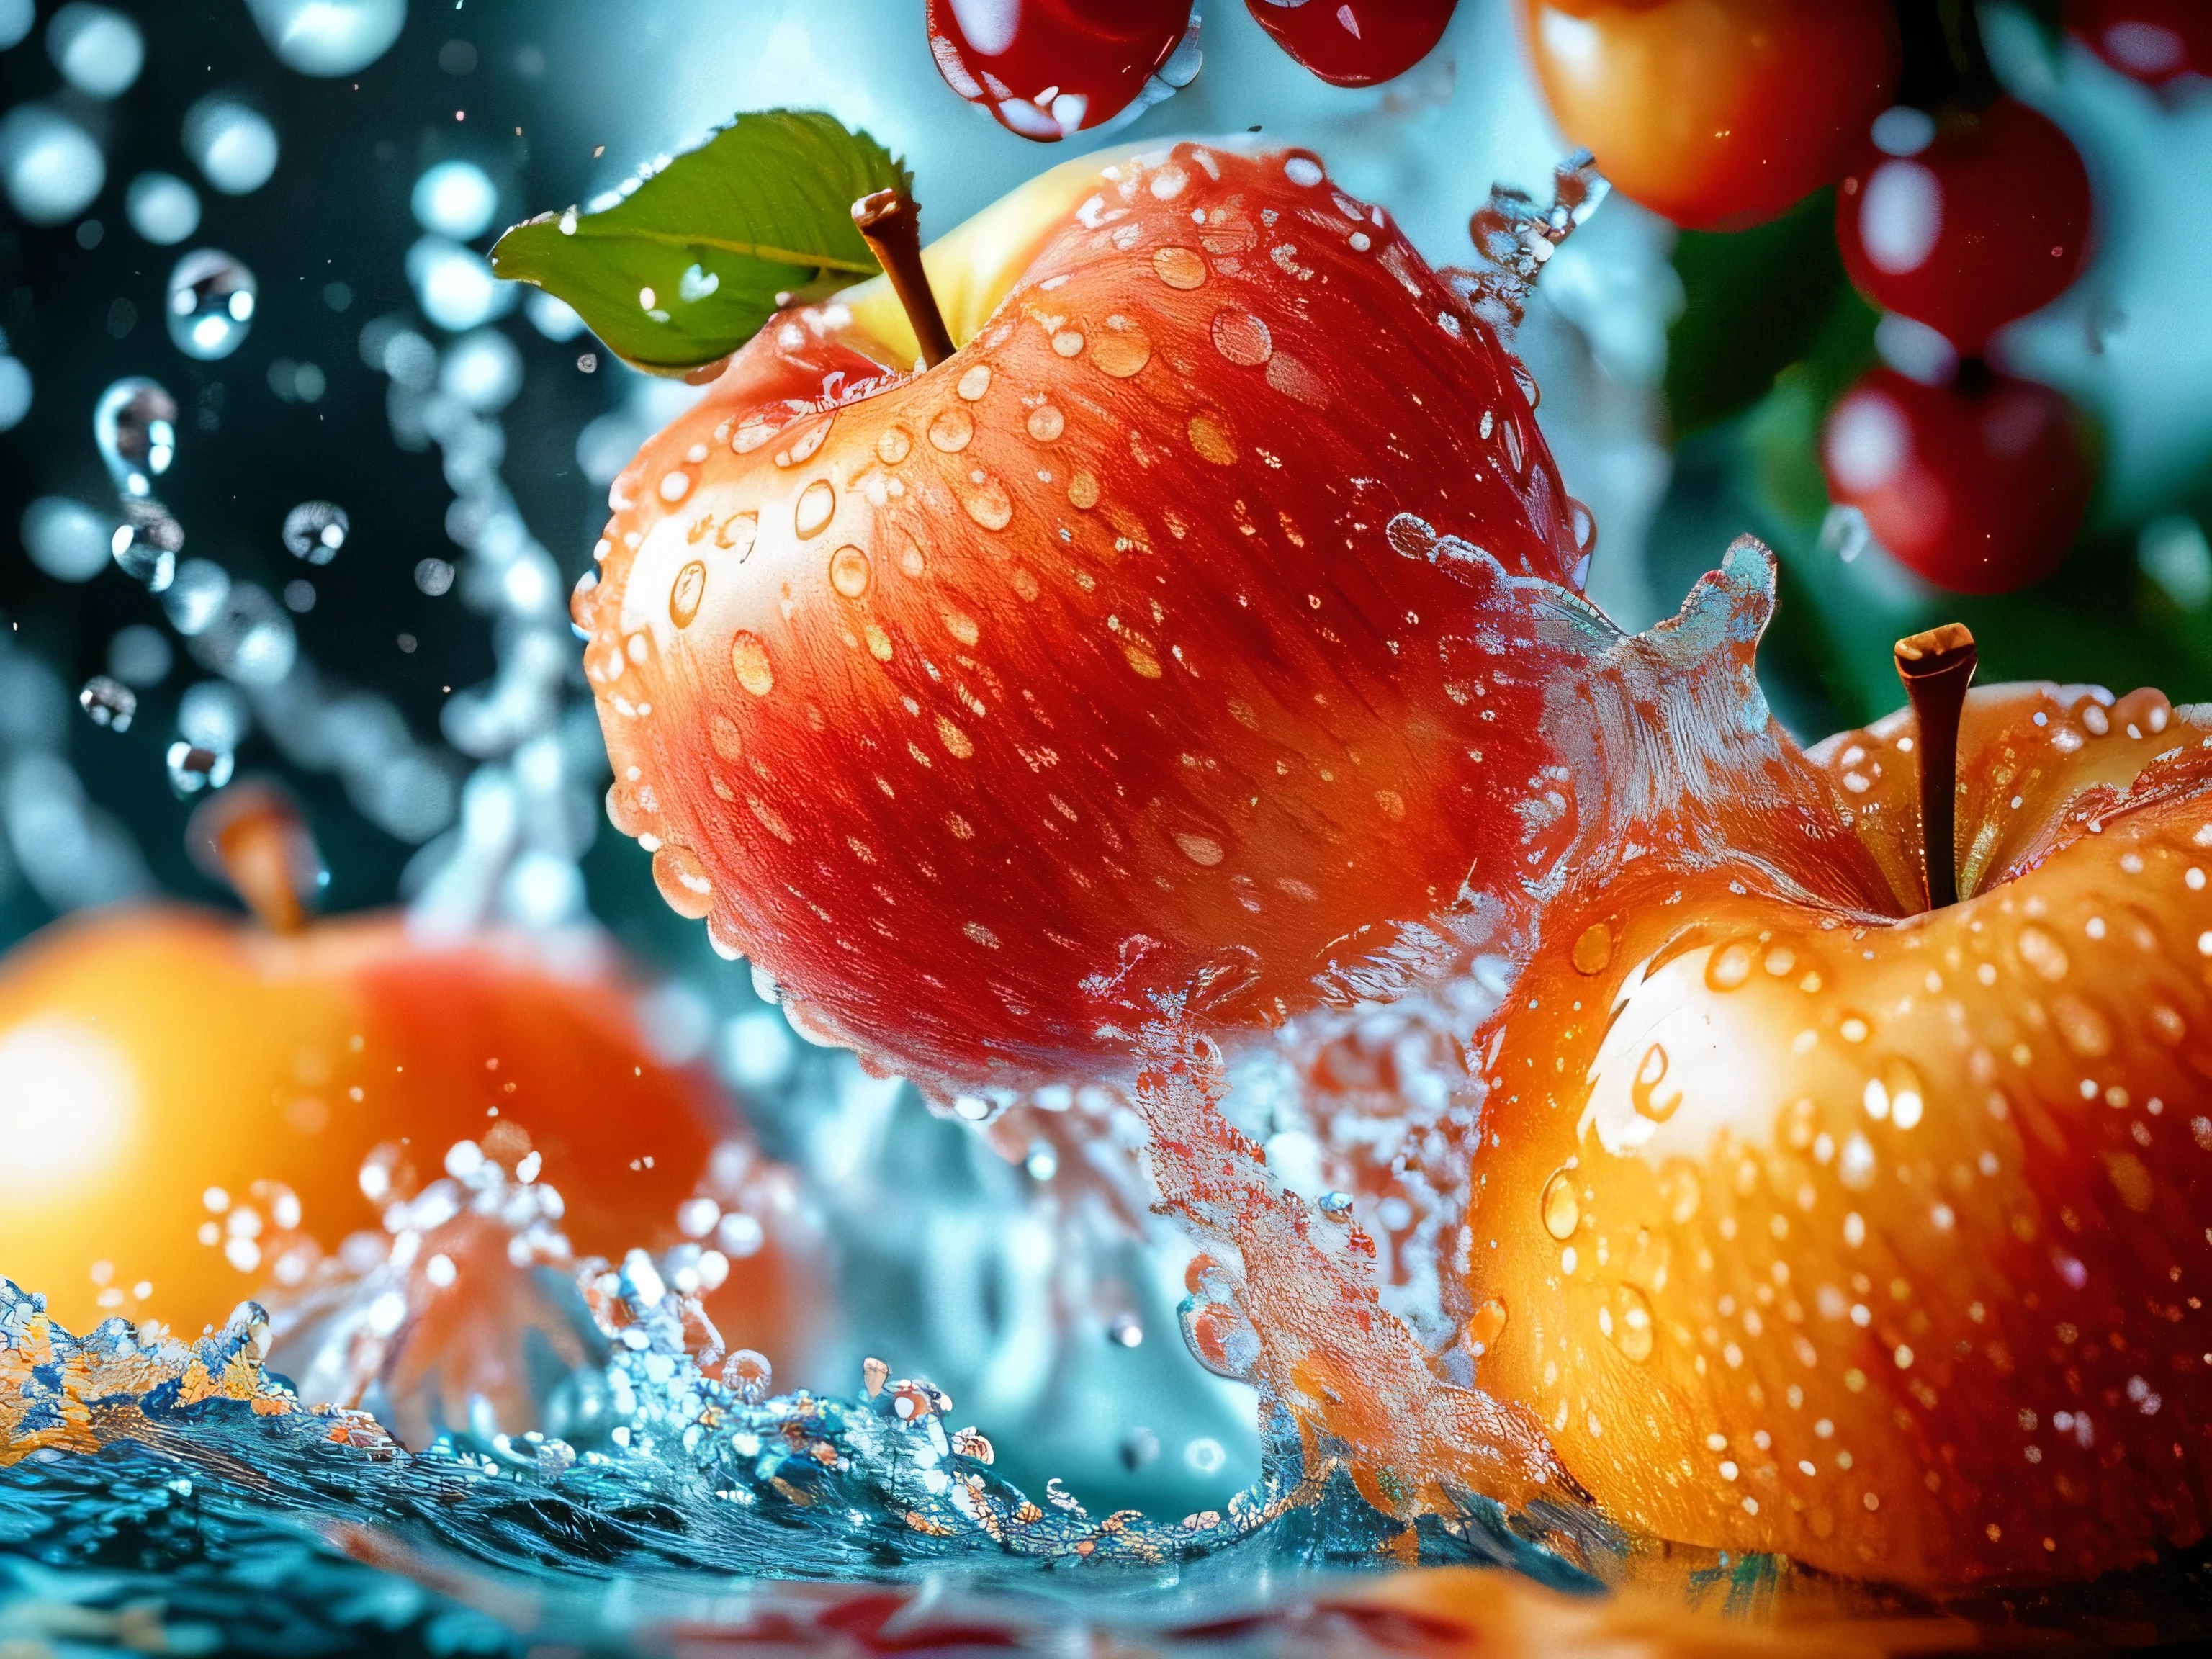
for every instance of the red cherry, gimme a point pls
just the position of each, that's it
(1355, 43)
(1978, 489)
(1046, 69)
(1967, 225)
(2152, 40)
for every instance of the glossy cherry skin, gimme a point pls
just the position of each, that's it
(191, 1104)
(1090, 660)
(2154, 41)
(1970, 224)
(1355, 43)
(1718, 113)
(1873, 1237)
(1979, 490)
(1048, 68)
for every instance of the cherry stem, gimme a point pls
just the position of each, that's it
(888, 220)
(1937, 666)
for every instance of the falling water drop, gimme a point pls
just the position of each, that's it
(162, 208)
(328, 37)
(51, 166)
(99, 51)
(315, 531)
(231, 141)
(135, 426)
(210, 304)
(109, 702)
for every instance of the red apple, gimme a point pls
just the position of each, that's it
(969, 704)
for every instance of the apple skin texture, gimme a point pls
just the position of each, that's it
(1807, 1221)
(1084, 664)
(149, 1055)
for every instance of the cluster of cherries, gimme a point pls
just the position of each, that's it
(1958, 212)
(1050, 69)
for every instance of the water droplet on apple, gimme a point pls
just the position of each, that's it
(682, 881)
(684, 595)
(848, 571)
(988, 504)
(1242, 338)
(1201, 850)
(1594, 949)
(1562, 1211)
(1220, 1338)
(975, 382)
(1179, 267)
(749, 659)
(1123, 349)
(818, 503)
(2042, 952)
(1628, 1323)
(1730, 966)
(893, 445)
(1485, 1325)
(735, 534)
(1210, 437)
(1526, 381)
(1067, 342)
(1046, 424)
(952, 429)
(1083, 491)
(1643, 1092)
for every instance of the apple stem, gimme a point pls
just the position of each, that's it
(888, 221)
(1937, 666)
(252, 836)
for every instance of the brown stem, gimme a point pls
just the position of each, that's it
(252, 836)
(1937, 666)
(888, 221)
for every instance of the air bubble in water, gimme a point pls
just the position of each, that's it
(135, 426)
(162, 208)
(315, 531)
(51, 166)
(456, 199)
(328, 37)
(99, 51)
(109, 702)
(231, 141)
(433, 576)
(66, 538)
(210, 304)
(16, 17)
(14, 392)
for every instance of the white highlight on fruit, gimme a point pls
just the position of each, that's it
(68, 1104)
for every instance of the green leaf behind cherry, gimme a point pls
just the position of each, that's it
(686, 268)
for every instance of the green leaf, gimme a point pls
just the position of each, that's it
(687, 267)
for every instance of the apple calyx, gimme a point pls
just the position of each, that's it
(888, 219)
(1937, 666)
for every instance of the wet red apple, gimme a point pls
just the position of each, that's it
(966, 702)
(198, 1111)
(1808, 1219)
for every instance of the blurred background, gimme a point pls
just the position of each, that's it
(389, 468)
